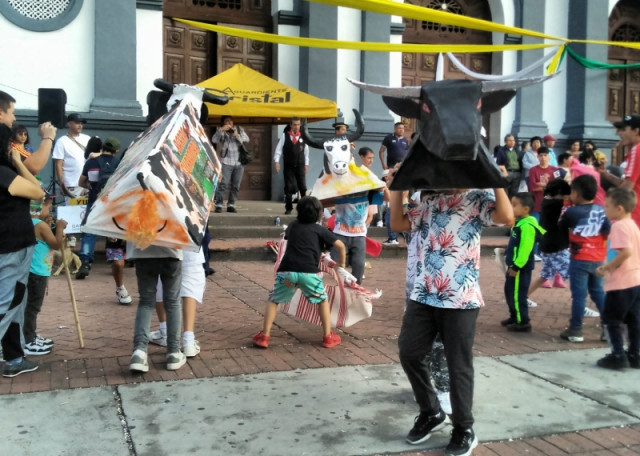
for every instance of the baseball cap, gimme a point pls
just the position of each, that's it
(599, 155)
(632, 120)
(75, 117)
(340, 124)
(112, 143)
(549, 138)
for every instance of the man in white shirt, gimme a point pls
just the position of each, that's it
(68, 156)
(295, 155)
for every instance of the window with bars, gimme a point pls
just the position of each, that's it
(40, 15)
(450, 6)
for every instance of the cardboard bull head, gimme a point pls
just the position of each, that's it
(448, 152)
(340, 175)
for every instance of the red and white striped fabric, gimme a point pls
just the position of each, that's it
(349, 301)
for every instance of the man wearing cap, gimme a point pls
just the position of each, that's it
(549, 142)
(629, 131)
(396, 146)
(68, 156)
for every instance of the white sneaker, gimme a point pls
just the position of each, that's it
(591, 313)
(156, 337)
(531, 303)
(379, 224)
(139, 361)
(537, 257)
(123, 295)
(390, 242)
(175, 360)
(191, 350)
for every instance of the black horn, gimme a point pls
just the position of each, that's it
(360, 127)
(308, 137)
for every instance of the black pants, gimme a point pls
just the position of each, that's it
(294, 181)
(513, 179)
(420, 326)
(623, 307)
(37, 288)
(516, 291)
(11, 345)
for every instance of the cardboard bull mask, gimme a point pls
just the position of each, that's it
(448, 152)
(340, 175)
(163, 188)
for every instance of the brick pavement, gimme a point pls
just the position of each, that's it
(232, 313)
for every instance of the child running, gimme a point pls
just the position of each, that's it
(520, 262)
(39, 274)
(622, 281)
(306, 239)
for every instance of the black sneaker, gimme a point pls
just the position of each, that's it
(424, 425)
(287, 212)
(519, 327)
(231, 209)
(83, 271)
(572, 335)
(462, 442)
(508, 321)
(634, 360)
(11, 370)
(218, 209)
(613, 361)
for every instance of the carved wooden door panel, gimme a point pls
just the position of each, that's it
(186, 53)
(256, 182)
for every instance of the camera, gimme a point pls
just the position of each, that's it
(231, 131)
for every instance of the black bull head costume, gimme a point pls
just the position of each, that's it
(448, 152)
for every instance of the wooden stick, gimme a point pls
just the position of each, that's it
(73, 295)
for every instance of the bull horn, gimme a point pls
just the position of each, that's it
(308, 137)
(401, 92)
(360, 127)
(494, 86)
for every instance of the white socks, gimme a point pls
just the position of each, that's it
(188, 338)
(162, 327)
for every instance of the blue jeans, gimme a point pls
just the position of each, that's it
(231, 176)
(584, 279)
(88, 246)
(390, 234)
(170, 272)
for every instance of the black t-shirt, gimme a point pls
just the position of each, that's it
(553, 240)
(16, 227)
(305, 244)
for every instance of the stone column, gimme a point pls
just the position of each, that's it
(587, 90)
(115, 58)
(529, 121)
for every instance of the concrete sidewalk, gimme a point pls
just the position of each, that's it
(297, 397)
(352, 410)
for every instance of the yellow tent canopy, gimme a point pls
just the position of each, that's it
(256, 98)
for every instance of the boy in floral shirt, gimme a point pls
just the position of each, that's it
(445, 299)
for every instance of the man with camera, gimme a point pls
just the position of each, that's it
(228, 140)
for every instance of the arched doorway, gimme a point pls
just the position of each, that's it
(418, 68)
(192, 55)
(623, 85)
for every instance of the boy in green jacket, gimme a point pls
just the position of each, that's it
(520, 262)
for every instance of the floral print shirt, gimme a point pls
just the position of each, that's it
(447, 264)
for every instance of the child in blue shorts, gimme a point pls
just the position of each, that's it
(306, 240)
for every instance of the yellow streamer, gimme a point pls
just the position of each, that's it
(555, 61)
(428, 14)
(358, 45)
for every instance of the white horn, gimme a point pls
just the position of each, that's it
(493, 86)
(401, 92)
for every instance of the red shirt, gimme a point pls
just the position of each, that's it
(535, 176)
(632, 172)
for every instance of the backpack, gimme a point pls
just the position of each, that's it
(108, 164)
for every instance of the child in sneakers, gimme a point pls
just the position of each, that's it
(306, 240)
(588, 229)
(445, 299)
(41, 264)
(520, 262)
(622, 281)
(554, 245)
(114, 250)
(191, 292)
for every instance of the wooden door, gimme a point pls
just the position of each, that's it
(186, 53)
(256, 182)
(418, 68)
